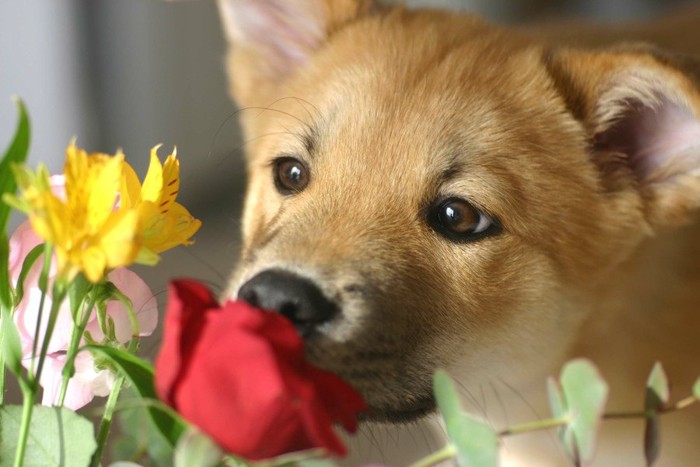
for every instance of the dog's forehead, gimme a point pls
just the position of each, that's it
(427, 109)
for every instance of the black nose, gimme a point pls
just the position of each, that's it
(296, 297)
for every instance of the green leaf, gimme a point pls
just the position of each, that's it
(57, 437)
(6, 301)
(140, 374)
(476, 443)
(657, 395)
(585, 393)
(196, 448)
(307, 458)
(696, 389)
(16, 154)
(11, 346)
(559, 410)
(316, 463)
(27, 265)
(658, 391)
(139, 438)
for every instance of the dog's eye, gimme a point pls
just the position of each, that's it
(291, 175)
(458, 220)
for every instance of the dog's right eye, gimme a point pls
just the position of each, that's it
(290, 174)
(459, 221)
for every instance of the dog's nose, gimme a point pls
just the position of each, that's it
(296, 297)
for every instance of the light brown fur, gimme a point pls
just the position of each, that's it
(598, 255)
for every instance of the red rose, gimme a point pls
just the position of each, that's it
(238, 373)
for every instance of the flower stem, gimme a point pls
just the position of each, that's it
(448, 452)
(76, 335)
(43, 286)
(2, 375)
(29, 393)
(106, 422)
(59, 293)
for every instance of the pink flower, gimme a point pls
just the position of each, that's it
(87, 381)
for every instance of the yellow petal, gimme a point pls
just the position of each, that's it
(104, 178)
(93, 264)
(178, 226)
(171, 181)
(147, 257)
(75, 168)
(130, 188)
(153, 183)
(118, 239)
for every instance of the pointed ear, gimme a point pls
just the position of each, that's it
(641, 110)
(271, 39)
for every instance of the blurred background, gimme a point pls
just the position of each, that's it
(135, 73)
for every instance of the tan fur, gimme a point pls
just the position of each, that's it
(594, 259)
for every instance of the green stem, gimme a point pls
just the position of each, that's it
(2, 375)
(680, 405)
(448, 452)
(43, 286)
(72, 352)
(106, 422)
(30, 391)
(534, 426)
(59, 293)
(29, 394)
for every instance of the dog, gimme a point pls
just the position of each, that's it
(428, 190)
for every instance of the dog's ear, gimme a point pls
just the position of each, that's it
(641, 110)
(271, 39)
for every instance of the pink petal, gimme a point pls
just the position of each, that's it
(26, 316)
(144, 303)
(85, 384)
(22, 241)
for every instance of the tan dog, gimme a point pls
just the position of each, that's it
(427, 190)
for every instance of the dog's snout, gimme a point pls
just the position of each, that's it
(296, 297)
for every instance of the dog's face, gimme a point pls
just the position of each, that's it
(426, 190)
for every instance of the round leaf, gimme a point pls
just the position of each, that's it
(195, 448)
(57, 436)
(476, 443)
(585, 393)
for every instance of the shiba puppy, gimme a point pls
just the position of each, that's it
(428, 190)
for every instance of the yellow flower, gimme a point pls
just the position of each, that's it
(163, 223)
(105, 219)
(89, 235)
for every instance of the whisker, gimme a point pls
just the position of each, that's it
(206, 264)
(500, 403)
(552, 437)
(301, 104)
(245, 143)
(262, 110)
(473, 399)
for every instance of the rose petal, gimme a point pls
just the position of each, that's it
(187, 303)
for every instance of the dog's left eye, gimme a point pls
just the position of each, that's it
(458, 220)
(290, 174)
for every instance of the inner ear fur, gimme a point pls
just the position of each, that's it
(640, 109)
(270, 40)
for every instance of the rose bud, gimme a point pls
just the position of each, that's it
(238, 373)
